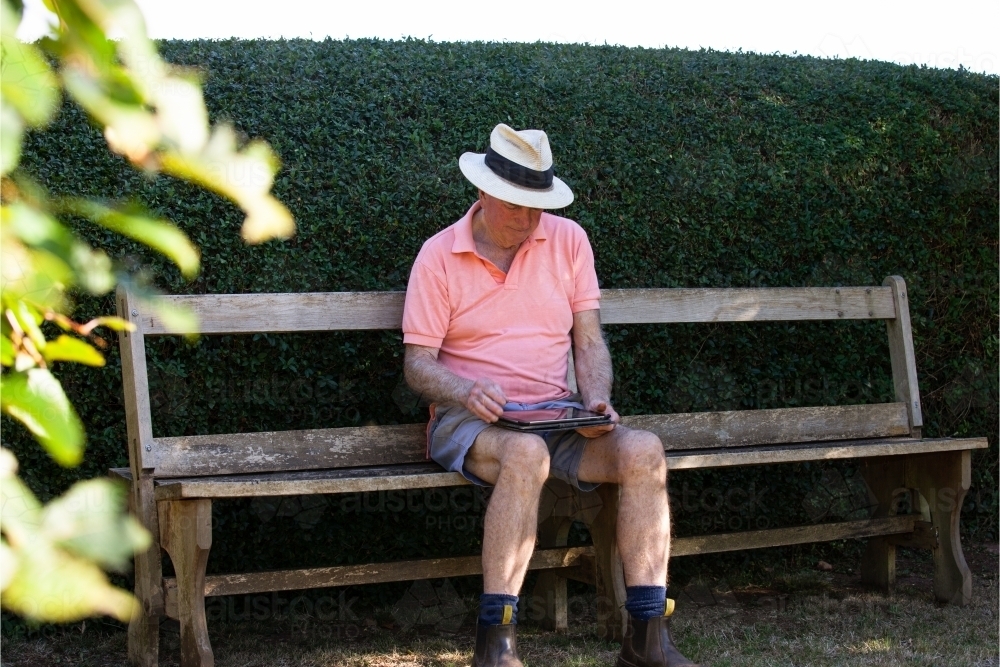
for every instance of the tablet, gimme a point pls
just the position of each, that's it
(551, 419)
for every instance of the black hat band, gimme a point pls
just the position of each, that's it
(516, 173)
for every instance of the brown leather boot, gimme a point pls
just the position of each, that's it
(648, 643)
(496, 646)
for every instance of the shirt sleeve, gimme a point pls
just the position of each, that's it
(426, 312)
(587, 293)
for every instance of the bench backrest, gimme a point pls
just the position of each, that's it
(382, 445)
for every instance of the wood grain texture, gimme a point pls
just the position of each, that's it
(288, 450)
(818, 452)
(943, 479)
(550, 594)
(669, 306)
(772, 537)
(609, 574)
(186, 534)
(353, 480)
(740, 428)
(430, 475)
(335, 311)
(135, 385)
(370, 573)
(277, 313)
(904, 364)
(884, 478)
(144, 626)
(373, 445)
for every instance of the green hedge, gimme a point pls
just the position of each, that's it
(690, 169)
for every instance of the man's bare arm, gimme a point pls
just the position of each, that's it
(429, 378)
(593, 367)
(591, 357)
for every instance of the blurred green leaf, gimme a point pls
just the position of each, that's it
(110, 321)
(157, 234)
(67, 348)
(27, 83)
(90, 521)
(36, 399)
(12, 130)
(6, 351)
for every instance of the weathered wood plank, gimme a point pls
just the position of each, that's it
(236, 453)
(943, 479)
(333, 311)
(278, 313)
(144, 626)
(884, 478)
(135, 385)
(355, 481)
(765, 427)
(431, 475)
(370, 573)
(901, 355)
(671, 306)
(848, 449)
(609, 573)
(186, 534)
(373, 445)
(772, 537)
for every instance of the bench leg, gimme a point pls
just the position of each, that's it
(611, 614)
(144, 628)
(186, 534)
(550, 594)
(943, 479)
(549, 598)
(885, 477)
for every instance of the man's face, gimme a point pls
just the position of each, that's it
(508, 224)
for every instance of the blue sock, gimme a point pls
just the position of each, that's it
(492, 609)
(645, 602)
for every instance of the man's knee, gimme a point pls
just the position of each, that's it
(526, 454)
(643, 458)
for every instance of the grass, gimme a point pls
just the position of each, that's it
(802, 617)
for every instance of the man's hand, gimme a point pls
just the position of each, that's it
(604, 408)
(486, 400)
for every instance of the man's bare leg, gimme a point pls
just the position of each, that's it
(635, 461)
(517, 464)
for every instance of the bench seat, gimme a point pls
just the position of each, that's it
(430, 474)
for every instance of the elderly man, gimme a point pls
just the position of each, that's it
(494, 303)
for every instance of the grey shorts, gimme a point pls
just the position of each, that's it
(454, 429)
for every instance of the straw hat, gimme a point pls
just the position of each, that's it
(517, 168)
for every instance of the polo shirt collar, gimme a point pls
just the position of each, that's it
(464, 242)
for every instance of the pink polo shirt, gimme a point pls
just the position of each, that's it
(513, 328)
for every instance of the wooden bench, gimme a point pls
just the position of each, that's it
(174, 479)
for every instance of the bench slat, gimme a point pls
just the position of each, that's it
(431, 475)
(380, 445)
(369, 573)
(235, 453)
(848, 449)
(775, 537)
(351, 311)
(673, 306)
(738, 428)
